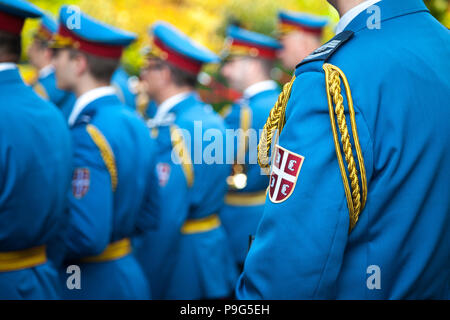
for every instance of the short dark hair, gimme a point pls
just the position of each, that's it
(181, 77)
(10, 47)
(102, 69)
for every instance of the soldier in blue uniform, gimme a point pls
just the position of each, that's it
(112, 180)
(249, 60)
(189, 256)
(40, 56)
(300, 34)
(359, 204)
(35, 170)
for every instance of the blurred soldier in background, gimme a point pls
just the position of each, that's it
(249, 61)
(112, 177)
(300, 34)
(189, 256)
(35, 170)
(40, 56)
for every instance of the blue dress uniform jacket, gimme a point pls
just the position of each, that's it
(35, 172)
(400, 247)
(189, 257)
(244, 207)
(47, 88)
(111, 190)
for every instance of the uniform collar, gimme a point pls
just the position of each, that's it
(87, 98)
(259, 87)
(165, 107)
(353, 13)
(7, 66)
(389, 9)
(45, 71)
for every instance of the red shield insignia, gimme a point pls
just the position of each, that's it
(163, 172)
(285, 171)
(80, 182)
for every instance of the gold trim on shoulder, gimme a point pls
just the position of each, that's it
(40, 90)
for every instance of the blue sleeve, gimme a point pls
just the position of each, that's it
(299, 246)
(232, 124)
(90, 200)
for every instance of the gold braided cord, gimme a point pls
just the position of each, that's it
(355, 201)
(106, 153)
(274, 122)
(179, 146)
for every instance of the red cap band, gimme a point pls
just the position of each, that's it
(10, 23)
(94, 48)
(181, 61)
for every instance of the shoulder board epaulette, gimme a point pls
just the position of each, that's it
(328, 49)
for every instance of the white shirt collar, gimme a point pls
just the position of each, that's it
(259, 87)
(45, 71)
(353, 13)
(88, 98)
(165, 107)
(7, 66)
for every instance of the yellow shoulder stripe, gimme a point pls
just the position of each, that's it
(225, 111)
(106, 153)
(181, 150)
(356, 198)
(112, 252)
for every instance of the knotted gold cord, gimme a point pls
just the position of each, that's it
(274, 122)
(106, 153)
(181, 150)
(355, 200)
